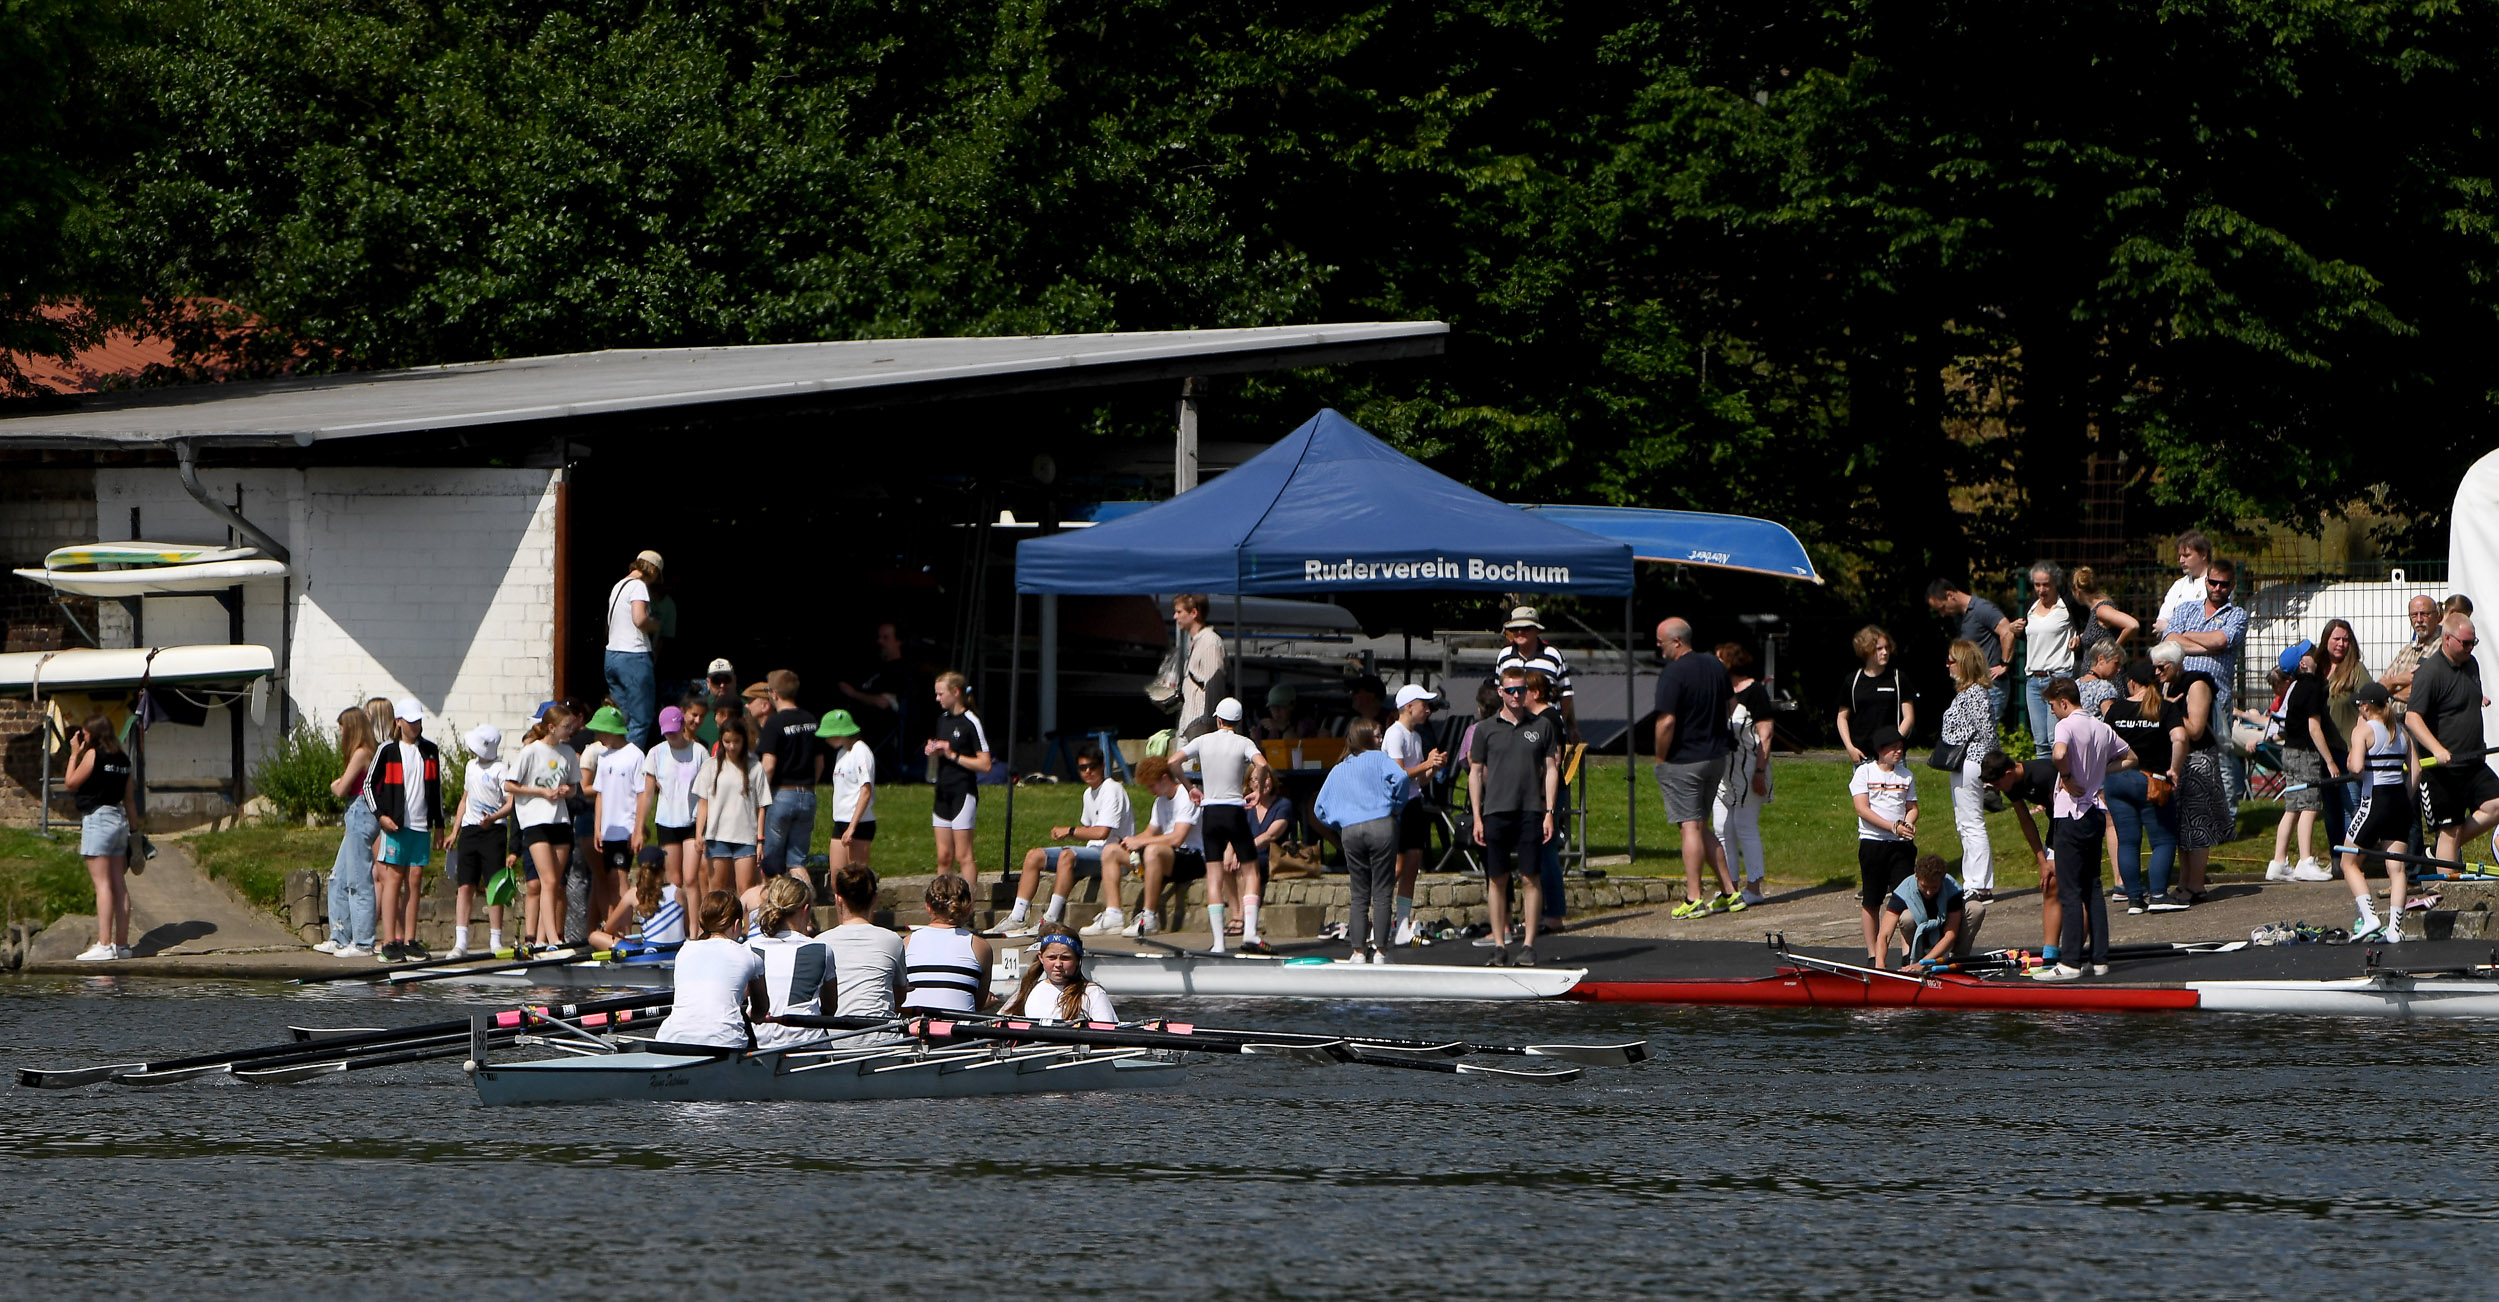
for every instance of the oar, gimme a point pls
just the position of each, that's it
(1377, 1058)
(423, 1051)
(371, 971)
(1093, 1034)
(2427, 861)
(72, 1077)
(414, 976)
(1594, 1055)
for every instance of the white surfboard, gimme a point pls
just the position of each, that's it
(157, 580)
(83, 555)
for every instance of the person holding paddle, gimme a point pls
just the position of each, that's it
(99, 779)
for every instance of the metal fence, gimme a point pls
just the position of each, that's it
(2288, 605)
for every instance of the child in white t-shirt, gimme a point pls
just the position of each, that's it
(1885, 792)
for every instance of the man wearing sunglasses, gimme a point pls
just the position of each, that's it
(1107, 817)
(2459, 800)
(2212, 631)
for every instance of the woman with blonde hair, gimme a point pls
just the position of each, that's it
(798, 968)
(1970, 723)
(351, 871)
(958, 754)
(1878, 696)
(947, 966)
(544, 778)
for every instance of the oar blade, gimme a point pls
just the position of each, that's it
(70, 1078)
(1445, 1049)
(1318, 1055)
(1594, 1055)
(291, 1075)
(151, 1079)
(303, 1034)
(1551, 1076)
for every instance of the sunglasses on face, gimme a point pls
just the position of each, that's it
(1514, 691)
(2217, 583)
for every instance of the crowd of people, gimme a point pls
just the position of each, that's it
(2139, 756)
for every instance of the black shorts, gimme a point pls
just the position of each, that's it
(559, 835)
(866, 832)
(675, 835)
(2382, 815)
(1513, 842)
(1414, 827)
(616, 856)
(2450, 793)
(1186, 864)
(1881, 866)
(1227, 825)
(478, 856)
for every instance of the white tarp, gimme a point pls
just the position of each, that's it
(2473, 562)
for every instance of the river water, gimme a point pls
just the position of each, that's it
(1761, 1155)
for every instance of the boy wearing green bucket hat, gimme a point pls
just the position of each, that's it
(853, 770)
(611, 770)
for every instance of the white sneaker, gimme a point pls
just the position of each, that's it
(1143, 926)
(327, 947)
(2394, 933)
(2099, 969)
(457, 953)
(1104, 923)
(1405, 931)
(2310, 870)
(2277, 871)
(353, 951)
(99, 953)
(1378, 957)
(1029, 926)
(2056, 972)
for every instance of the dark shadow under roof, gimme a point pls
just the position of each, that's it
(307, 410)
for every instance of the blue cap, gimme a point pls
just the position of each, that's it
(2289, 663)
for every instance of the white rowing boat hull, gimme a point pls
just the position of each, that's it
(89, 670)
(632, 974)
(2383, 996)
(157, 580)
(838, 1076)
(1180, 975)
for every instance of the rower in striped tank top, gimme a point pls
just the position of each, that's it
(798, 968)
(652, 912)
(947, 966)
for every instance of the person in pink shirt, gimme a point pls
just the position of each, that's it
(2085, 751)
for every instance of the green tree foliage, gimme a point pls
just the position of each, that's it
(1789, 258)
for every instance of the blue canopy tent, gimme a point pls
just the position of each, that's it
(1330, 508)
(1726, 542)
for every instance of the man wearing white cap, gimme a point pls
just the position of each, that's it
(1226, 759)
(405, 784)
(1403, 744)
(632, 676)
(1529, 650)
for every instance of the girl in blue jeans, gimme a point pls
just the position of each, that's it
(2156, 729)
(351, 874)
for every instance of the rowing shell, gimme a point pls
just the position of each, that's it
(831, 1075)
(647, 972)
(1225, 977)
(2366, 996)
(157, 580)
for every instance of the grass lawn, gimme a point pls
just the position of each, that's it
(42, 878)
(256, 857)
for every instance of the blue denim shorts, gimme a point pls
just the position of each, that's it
(104, 831)
(728, 849)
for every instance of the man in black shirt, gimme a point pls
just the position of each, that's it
(1695, 698)
(2460, 796)
(1513, 775)
(794, 762)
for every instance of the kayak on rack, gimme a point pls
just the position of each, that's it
(135, 552)
(157, 580)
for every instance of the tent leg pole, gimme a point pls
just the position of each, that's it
(1631, 750)
(1015, 693)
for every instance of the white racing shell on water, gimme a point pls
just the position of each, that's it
(838, 1072)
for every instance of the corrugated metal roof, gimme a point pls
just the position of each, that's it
(309, 409)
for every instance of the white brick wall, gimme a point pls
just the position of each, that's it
(435, 584)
